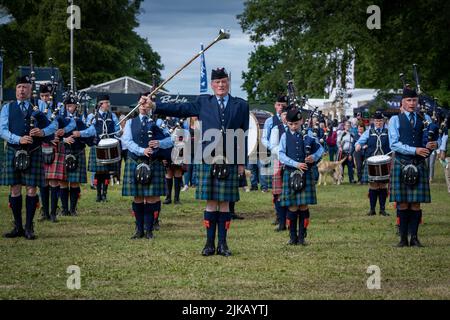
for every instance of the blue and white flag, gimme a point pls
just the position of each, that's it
(203, 73)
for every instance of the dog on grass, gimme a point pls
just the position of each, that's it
(331, 168)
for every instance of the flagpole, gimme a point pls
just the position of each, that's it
(71, 45)
(2, 51)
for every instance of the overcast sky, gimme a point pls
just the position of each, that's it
(175, 29)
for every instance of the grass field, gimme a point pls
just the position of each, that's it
(343, 243)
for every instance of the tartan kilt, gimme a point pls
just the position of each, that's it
(400, 192)
(130, 188)
(79, 175)
(277, 177)
(93, 166)
(57, 169)
(305, 197)
(33, 177)
(209, 188)
(2, 153)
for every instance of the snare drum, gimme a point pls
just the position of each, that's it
(108, 151)
(378, 168)
(256, 124)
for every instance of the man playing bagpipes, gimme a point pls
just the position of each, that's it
(23, 125)
(53, 155)
(298, 152)
(148, 145)
(75, 159)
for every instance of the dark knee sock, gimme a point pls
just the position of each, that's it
(231, 206)
(16, 206)
(223, 225)
(169, 183)
(403, 216)
(178, 183)
(414, 221)
(210, 223)
(382, 195)
(149, 210)
(64, 194)
(139, 215)
(303, 222)
(157, 212)
(45, 197)
(54, 195)
(373, 194)
(31, 205)
(74, 195)
(292, 222)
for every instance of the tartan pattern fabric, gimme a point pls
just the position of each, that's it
(214, 189)
(305, 197)
(400, 192)
(2, 153)
(93, 166)
(130, 188)
(79, 175)
(277, 178)
(56, 170)
(33, 177)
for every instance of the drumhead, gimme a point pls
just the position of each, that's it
(108, 142)
(378, 159)
(253, 134)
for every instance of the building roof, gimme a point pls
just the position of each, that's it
(124, 84)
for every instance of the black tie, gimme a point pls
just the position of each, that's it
(144, 121)
(104, 116)
(221, 103)
(411, 119)
(23, 108)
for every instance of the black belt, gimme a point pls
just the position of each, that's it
(17, 147)
(141, 158)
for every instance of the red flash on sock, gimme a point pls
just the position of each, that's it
(306, 223)
(288, 222)
(227, 225)
(206, 224)
(106, 182)
(155, 214)
(133, 214)
(398, 221)
(95, 182)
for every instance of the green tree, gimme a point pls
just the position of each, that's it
(106, 46)
(307, 35)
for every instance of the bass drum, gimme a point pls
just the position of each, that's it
(256, 124)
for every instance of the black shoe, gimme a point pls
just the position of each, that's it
(156, 225)
(29, 234)
(138, 235)
(14, 233)
(167, 201)
(176, 201)
(99, 198)
(403, 242)
(149, 235)
(45, 217)
(253, 188)
(384, 213)
(73, 213)
(280, 228)
(371, 213)
(234, 216)
(53, 218)
(222, 249)
(209, 249)
(276, 222)
(93, 188)
(301, 241)
(104, 198)
(293, 241)
(65, 212)
(414, 242)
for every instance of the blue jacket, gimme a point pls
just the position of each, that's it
(206, 108)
